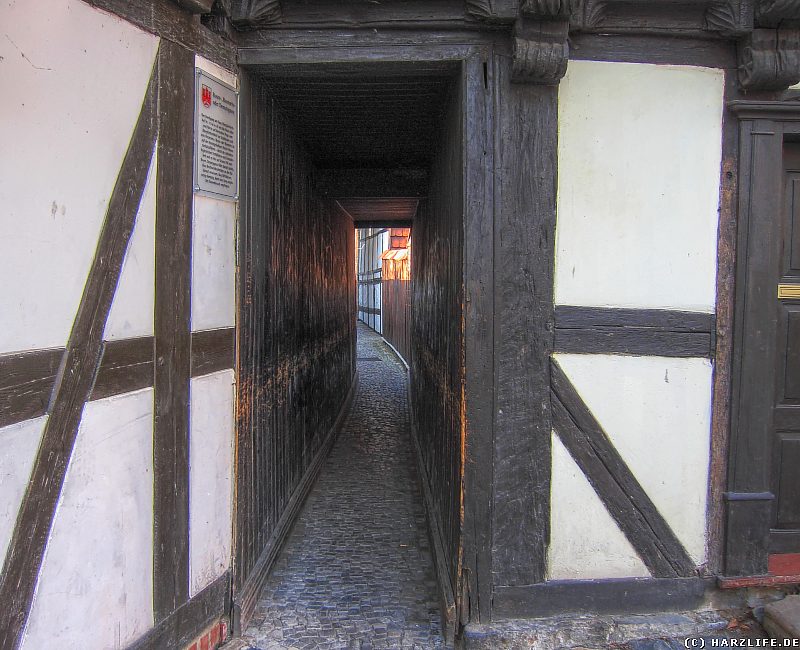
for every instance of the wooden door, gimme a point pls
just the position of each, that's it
(785, 429)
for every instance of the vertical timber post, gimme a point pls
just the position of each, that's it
(526, 106)
(172, 330)
(474, 593)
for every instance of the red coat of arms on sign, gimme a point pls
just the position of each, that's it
(206, 96)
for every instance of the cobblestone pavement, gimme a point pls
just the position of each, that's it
(357, 571)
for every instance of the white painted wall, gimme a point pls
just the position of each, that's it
(213, 264)
(657, 413)
(210, 477)
(212, 396)
(214, 245)
(95, 588)
(132, 310)
(638, 185)
(17, 453)
(74, 80)
(585, 542)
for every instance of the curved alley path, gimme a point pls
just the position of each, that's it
(356, 571)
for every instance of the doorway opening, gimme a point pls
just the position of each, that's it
(383, 277)
(333, 155)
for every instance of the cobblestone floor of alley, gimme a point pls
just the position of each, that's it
(357, 571)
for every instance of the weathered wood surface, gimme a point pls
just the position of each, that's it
(651, 48)
(127, 365)
(73, 385)
(172, 370)
(758, 258)
(524, 250)
(726, 264)
(185, 624)
(437, 338)
(296, 356)
(26, 383)
(396, 321)
(623, 496)
(213, 350)
(478, 330)
(596, 330)
(615, 596)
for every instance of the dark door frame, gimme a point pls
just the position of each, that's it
(474, 60)
(763, 128)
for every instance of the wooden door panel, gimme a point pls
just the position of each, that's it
(793, 230)
(786, 404)
(788, 375)
(788, 492)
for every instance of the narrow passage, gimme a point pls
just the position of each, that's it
(357, 571)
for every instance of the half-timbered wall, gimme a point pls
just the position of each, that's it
(297, 335)
(635, 282)
(437, 367)
(116, 337)
(371, 243)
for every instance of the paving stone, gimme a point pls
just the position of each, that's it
(356, 571)
(782, 618)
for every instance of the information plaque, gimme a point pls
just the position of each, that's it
(216, 138)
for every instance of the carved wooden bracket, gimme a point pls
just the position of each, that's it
(546, 9)
(769, 59)
(255, 13)
(730, 17)
(540, 52)
(494, 11)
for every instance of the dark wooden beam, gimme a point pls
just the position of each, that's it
(26, 383)
(183, 625)
(73, 384)
(127, 365)
(213, 350)
(473, 589)
(596, 330)
(196, 6)
(172, 330)
(652, 48)
(524, 250)
(623, 496)
(615, 596)
(26, 379)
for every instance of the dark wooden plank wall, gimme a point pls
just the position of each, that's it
(437, 332)
(396, 305)
(296, 338)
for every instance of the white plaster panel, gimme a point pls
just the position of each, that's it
(657, 413)
(213, 263)
(95, 588)
(17, 453)
(74, 80)
(210, 477)
(639, 157)
(585, 542)
(132, 311)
